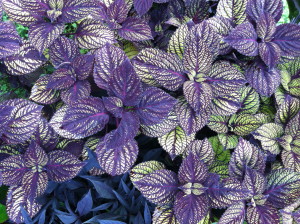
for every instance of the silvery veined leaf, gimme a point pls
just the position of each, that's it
(198, 95)
(287, 110)
(118, 10)
(218, 123)
(63, 51)
(283, 187)
(114, 105)
(62, 78)
(159, 187)
(35, 156)
(293, 127)
(187, 117)
(125, 84)
(228, 140)
(92, 34)
(10, 40)
(116, 161)
(223, 27)
(224, 78)
(245, 155)
(190, 208)
(25, 118)
(34, 183)
(197, 10)
(243, 38)
(41, 94)
(143, 169)
(162, 128)
(193, 170)
(62, 166)
(107, 59)
(5, 116)
(203, 150)
(175, 142)
(270, 53)
(135, 29)
(83, 66)
(291, 160)
(197, 57)
(154, 106)
(262, 214)
(221, 154)
(254, 181)
(81, 89)
(72, 146)
(234, 10)
(244, 124)
(13, 169)
(74, 10)
(164, 215)
(249, 100)
(223, 193)
(25, 61)
(80, 119)
(220, 168)
(43, 34)
(268, 135)
(266, 27)
(177, 41)
(125, 132)
(17, 13)
(256, 7)
(227, 104)
(234, 214)
(142, 6)
(262, 79)
(16, 199)
(287, 38)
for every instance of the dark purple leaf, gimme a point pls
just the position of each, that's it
(35, 156)
(62, 78)
(135, 29)
(118, 10)
(262, 214)
(159, 187)
(10, 40)
(125, 84)
(155, 105)
(266, 27)
(197, 10)
(5, 116)
(34, 183)
(116, 161)
(255, 182)
(13, 170)
(203, 150)
(114, 105)
(62, 166)
(243, 38)
(81, 89)
(235, 214)
(190, 208)
(83, 66)
(270, 53)
(142, 6)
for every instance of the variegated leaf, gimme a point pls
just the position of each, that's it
(203, 150)
(35, 157)
(79, 90)
(92, 34)
(34, 183)
(291, 160)
(218, 124)
(262, 214)
(177, 41)
(287, 110)
(107, 59)
(175, 142)
(226, 104)
(268, 134)
(249, 100)
(62, 78)
(228, 141)
(10, 40)
(25, 61)
(13, 169)
(143, 169)
(235, 214)
(43, 34)
(293, 127)
(244, 124)
(256, 183)
(62, 166)
(234, 10)
(164, 215)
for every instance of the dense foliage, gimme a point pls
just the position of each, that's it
(149, 111)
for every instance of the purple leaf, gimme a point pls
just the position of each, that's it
(155, 105)
(5, 116)
(245, 156)
(262, 214)
(107, 59)
(291, 160)
(142, 6)
(13, 170)
(62, 166)
(118, 10)
(243, 38)
(114, 105)
(116, 161)
(234, 214)
(164, 214)
(24, 120)
(283, 187)
(81, 89)
(34, 183)
(287, 37)
(192, 170)
(159, 187)
(190, 208)
(92, 34)
(270, 53)
(203, 150)
(125, 84)
(197, 10)
(62, 51)
(255, 182)
(135, 29)
(82, 118)
(256, 7)
(198, 95)
(10, 40)
(263, 80)
(43, 34)
(126, 131)
(266, 27)
(83, 66)
(35, 156)
(62, 78)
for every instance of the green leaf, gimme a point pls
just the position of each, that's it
(244, 124)
(226, 104)
(142, 169)
(287, 110)
(218, 124)
(268, 135)
(232, 9)
(220, 154)
(249, 100)
(177, 41)
(229, 141)
(220, 168)
(3, 214)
